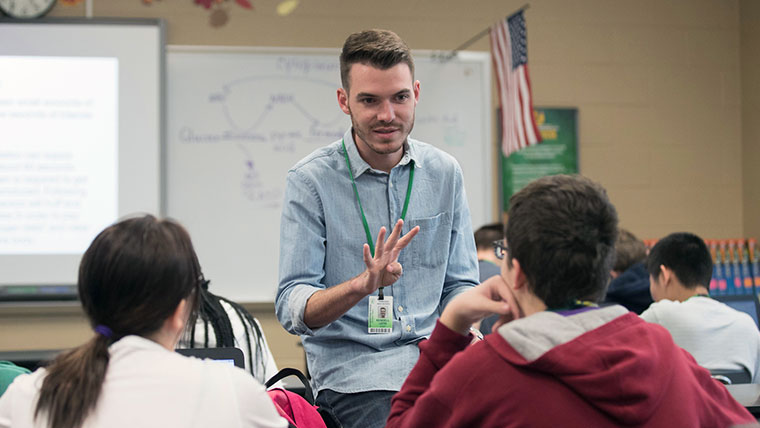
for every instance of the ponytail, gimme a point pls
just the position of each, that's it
(72, 384)
(132, 277)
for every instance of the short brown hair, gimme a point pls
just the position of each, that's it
(485, 235)
(629, 250)
(381, 49)
(562, 230)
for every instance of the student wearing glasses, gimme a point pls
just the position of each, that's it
(489, 263)
(556, 358)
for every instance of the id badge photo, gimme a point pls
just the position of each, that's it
(380, 315)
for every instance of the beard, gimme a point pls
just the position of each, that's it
(377, 143)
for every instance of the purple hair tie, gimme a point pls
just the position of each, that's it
(103, 331)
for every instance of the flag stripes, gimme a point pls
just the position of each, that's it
(510, 59)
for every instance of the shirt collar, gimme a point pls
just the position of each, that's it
(360, 166)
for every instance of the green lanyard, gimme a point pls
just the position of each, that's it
(361, 210)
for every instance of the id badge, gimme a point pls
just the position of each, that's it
(380, 315)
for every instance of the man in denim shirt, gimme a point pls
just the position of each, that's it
(336, 199)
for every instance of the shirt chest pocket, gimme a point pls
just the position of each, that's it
(430, 248)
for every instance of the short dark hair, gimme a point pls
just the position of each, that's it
(135, 273)
(629, 250)
(562, 230)
(381, 49)
(686, 255)
(485, 235)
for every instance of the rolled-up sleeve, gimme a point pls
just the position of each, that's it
(462, 269)
(302, 252)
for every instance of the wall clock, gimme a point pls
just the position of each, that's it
(26, 9)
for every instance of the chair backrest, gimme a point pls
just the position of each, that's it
(731, 377)
(746, 303)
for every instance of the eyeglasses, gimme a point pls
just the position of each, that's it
(500, 248)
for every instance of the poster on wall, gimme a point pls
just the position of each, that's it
(556, 154)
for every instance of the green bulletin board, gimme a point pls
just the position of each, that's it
(556, 154)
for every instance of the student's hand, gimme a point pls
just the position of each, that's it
(491, 297)
(384, 269)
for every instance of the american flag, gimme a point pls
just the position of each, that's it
(509, 49)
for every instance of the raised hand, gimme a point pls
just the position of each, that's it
(325, 306)
(384, 269)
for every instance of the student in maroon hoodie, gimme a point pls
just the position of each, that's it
(555, 358)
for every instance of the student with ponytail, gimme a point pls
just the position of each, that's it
(139, 283)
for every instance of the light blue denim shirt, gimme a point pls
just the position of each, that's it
(321, 239)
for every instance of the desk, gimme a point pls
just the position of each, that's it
(32, 360)
(748, 395)
(36, 358)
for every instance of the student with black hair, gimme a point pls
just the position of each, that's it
(718, 336)
(139, 283)
(224, 323)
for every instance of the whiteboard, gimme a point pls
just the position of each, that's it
(239, 118)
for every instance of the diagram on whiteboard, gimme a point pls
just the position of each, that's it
(252, 125)
(280, 112)
(254, 188)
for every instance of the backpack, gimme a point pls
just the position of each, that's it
(299, 411)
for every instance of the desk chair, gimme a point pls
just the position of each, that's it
(731, 377)
(746, 303)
